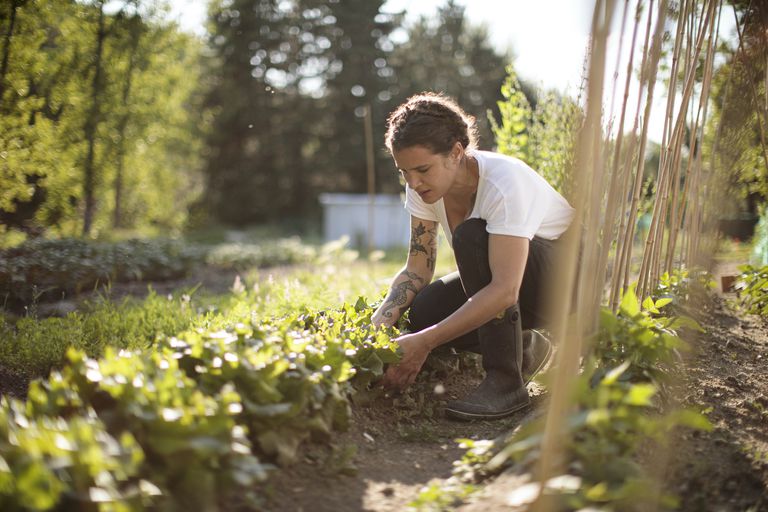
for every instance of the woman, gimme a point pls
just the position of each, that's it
(501, 219)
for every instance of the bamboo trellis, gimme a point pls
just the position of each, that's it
(608, 181)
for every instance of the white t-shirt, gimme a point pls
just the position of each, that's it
(512, 198)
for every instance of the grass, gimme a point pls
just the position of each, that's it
(35, 345)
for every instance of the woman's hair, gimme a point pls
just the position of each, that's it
(432, 120)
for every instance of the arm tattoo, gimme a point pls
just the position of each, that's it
(428, 246)
(398, 296)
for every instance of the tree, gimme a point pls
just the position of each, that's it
(736, 138)
(456, 58)
(543, 136)
(92, 99)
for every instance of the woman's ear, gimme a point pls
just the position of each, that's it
(457, 151)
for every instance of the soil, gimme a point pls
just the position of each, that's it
(397, 452)
(727, 468)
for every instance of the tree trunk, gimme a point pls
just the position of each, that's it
(7, 47)
(91, 125)
(117, 220)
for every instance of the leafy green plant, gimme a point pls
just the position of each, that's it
(753, 292)
(44, 269)
(207, 406)
(642, 337)
(619, 412)
(684, 286)
(35, 346)
(194, 449)
(544, 137)
(48, 463)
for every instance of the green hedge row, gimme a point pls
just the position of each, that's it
(49, 269)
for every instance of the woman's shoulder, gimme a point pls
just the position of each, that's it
(497, 167)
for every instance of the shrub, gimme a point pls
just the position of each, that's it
(47, 269)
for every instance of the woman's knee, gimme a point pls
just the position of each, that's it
(419, 315)
(469, 235)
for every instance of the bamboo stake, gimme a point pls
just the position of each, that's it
(659, 206)
(619, 174)
(653, 68)
(624, 255)
(661, 174)
(568, 357)
(606, 192)
(693, 171)
(685, 252)
(704, 26)
(671, 202)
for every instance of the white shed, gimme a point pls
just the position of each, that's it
(351, 215)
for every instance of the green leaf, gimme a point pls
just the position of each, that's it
(640, 395)
(612, 376)
(648, 305)
(663, 302)
(630, 305)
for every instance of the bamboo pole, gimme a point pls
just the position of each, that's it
(686, 226)
(666, 141)
(694, 161)
(619, 175)
(624, 253)
(657, 223)
(568, 357)
(371, 176)
(671, 202)
(653, 68)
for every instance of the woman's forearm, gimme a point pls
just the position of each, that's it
(404, 288)
(486, 304)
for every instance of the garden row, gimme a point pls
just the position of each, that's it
(196, 421)
(40, 270)
(623, 407)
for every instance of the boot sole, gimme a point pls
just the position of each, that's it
(543, 363)
(460, 415)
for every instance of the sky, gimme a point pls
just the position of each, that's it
(548, 39)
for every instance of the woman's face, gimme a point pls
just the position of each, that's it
(430, 174)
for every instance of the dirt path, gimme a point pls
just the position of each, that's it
(395, 456)
(726, 469)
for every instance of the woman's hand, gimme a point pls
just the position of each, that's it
(415, 348)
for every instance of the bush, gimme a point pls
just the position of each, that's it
(49, 269)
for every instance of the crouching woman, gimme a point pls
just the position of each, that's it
(503, 221)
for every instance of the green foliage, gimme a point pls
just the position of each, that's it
(48, 463)
(285, 251)
(685, 286)
(85, 111)
(640, 337)
(753, 289)
(512, 134)
(35, 346)
(619, 411)
(544, 137)
(206, 407)
(40, 269)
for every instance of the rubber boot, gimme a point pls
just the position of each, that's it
(500, 341)
(537, 350)
(503, 391)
